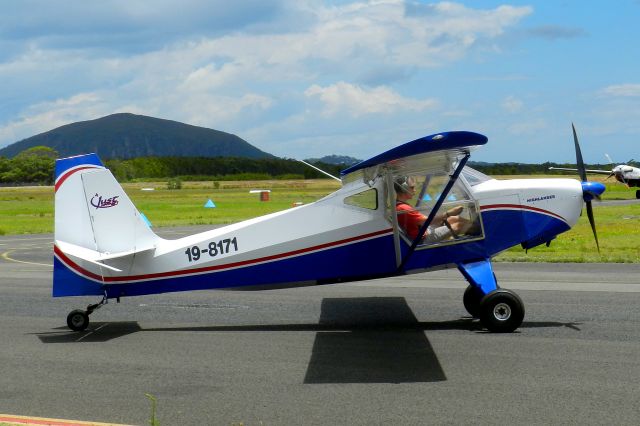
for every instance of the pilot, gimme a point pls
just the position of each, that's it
(443, 226)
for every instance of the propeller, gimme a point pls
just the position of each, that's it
(616, 171)
(608, 158)
(611, 163)
(590, 190)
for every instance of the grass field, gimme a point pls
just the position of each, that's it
(27, 210)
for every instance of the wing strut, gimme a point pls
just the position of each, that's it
(321, 171)
(432, 213)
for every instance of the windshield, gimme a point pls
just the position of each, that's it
(474, 177)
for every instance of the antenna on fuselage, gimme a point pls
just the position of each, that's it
(320, 170)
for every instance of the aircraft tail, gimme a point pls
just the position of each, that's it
(94, 221)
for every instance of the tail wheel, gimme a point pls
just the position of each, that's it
(501, 311)
(78, 320)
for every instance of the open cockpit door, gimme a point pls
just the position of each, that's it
(426, 202)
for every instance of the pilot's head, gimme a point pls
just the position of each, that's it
(404, 185)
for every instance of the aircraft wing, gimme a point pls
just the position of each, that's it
(602, 172)
(446, 141)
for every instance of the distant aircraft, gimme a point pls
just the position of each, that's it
(104, 247)
(623, 173)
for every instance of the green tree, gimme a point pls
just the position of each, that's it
(34, 165)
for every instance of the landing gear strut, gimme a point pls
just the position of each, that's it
(78, 320)
(499, 310)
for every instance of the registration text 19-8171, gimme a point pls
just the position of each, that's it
(215, 248)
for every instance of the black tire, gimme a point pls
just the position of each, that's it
(471, 300)
(501, 311)
(78, 320)
(638, 194)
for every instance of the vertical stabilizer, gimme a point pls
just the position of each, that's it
(93, 211)
(95, 217)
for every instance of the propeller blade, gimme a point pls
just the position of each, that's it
(608, 158)
(590, 190)
(579, 162)
(593, 223)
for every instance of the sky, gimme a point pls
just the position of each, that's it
(308, 78)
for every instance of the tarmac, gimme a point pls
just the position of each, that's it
(392, 351)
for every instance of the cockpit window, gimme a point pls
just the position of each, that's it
(366, 199)
(474, 177)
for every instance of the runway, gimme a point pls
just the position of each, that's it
(618, 202)
(393, 351)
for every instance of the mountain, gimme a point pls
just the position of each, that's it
(338, 160)
(127, 135)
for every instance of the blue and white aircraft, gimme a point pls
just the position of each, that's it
(104, 247)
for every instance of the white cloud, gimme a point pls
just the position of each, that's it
(621, 90)
(45, 116)
(262, 69)
(356, 101)
(219, 111)
(512, 104)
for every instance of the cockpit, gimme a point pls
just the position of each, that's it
(411, 191)
(456, 219)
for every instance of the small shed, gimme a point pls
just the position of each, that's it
(264, 193)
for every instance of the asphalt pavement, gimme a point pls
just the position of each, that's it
(392, 351)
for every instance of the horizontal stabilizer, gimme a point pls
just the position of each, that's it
(96, 257)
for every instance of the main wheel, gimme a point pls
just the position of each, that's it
(78, 320)
(471, 300)
(638, 194)
(501, 311)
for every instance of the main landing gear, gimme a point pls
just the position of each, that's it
(499, 310)
(78, 320)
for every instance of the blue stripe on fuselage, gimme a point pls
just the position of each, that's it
(365, 258)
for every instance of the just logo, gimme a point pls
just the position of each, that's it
(99, 203)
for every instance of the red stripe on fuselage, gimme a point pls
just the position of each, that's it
(70, 263)
(157, 275)
(520, 207)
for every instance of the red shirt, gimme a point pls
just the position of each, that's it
(409, 219)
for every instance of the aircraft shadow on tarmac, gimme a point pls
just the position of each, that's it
(358, 340)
